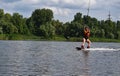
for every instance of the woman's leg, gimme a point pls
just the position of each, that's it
(83, 43)
(89, 42)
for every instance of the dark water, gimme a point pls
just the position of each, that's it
(42, 58)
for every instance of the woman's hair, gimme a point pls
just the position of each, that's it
(86, 27)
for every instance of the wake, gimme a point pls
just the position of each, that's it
(102, 49)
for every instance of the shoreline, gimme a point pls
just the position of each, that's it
(56, 38)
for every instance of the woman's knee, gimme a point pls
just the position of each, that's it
(83, 39)
(88, 41)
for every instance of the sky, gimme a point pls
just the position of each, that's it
(64, 10)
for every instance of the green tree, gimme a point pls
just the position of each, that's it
(47, 30)
(111, 35)
(25, 27)
(17, 21)
(7, 17)
(30, 25)
(40, 17)
(73, 30)
(1, 13)
(78, 18)
(93, 22)
(102, 33)
(94, 31)
(8, 28)
(86, 20)
(109, 25)
(118, 25)
(20, 23)
(118, 34)
(58, 27)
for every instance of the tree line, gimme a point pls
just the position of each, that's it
(41, 23)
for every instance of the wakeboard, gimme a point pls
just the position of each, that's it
(79, 48)
(83, 49)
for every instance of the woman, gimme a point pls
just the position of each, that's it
(86, 36)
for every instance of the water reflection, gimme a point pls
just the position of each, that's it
(86, 69)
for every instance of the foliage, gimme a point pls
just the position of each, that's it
(42, 25)
(41, 16)
(118, 34)
(59, 29)
(47, 30)
(73, 29)
(1, 13)
(38, 18)
(78, 18)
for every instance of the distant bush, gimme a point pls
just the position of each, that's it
(118, 35)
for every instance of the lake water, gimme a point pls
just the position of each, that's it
(47, 58)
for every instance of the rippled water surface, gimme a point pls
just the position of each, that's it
(47, 58)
